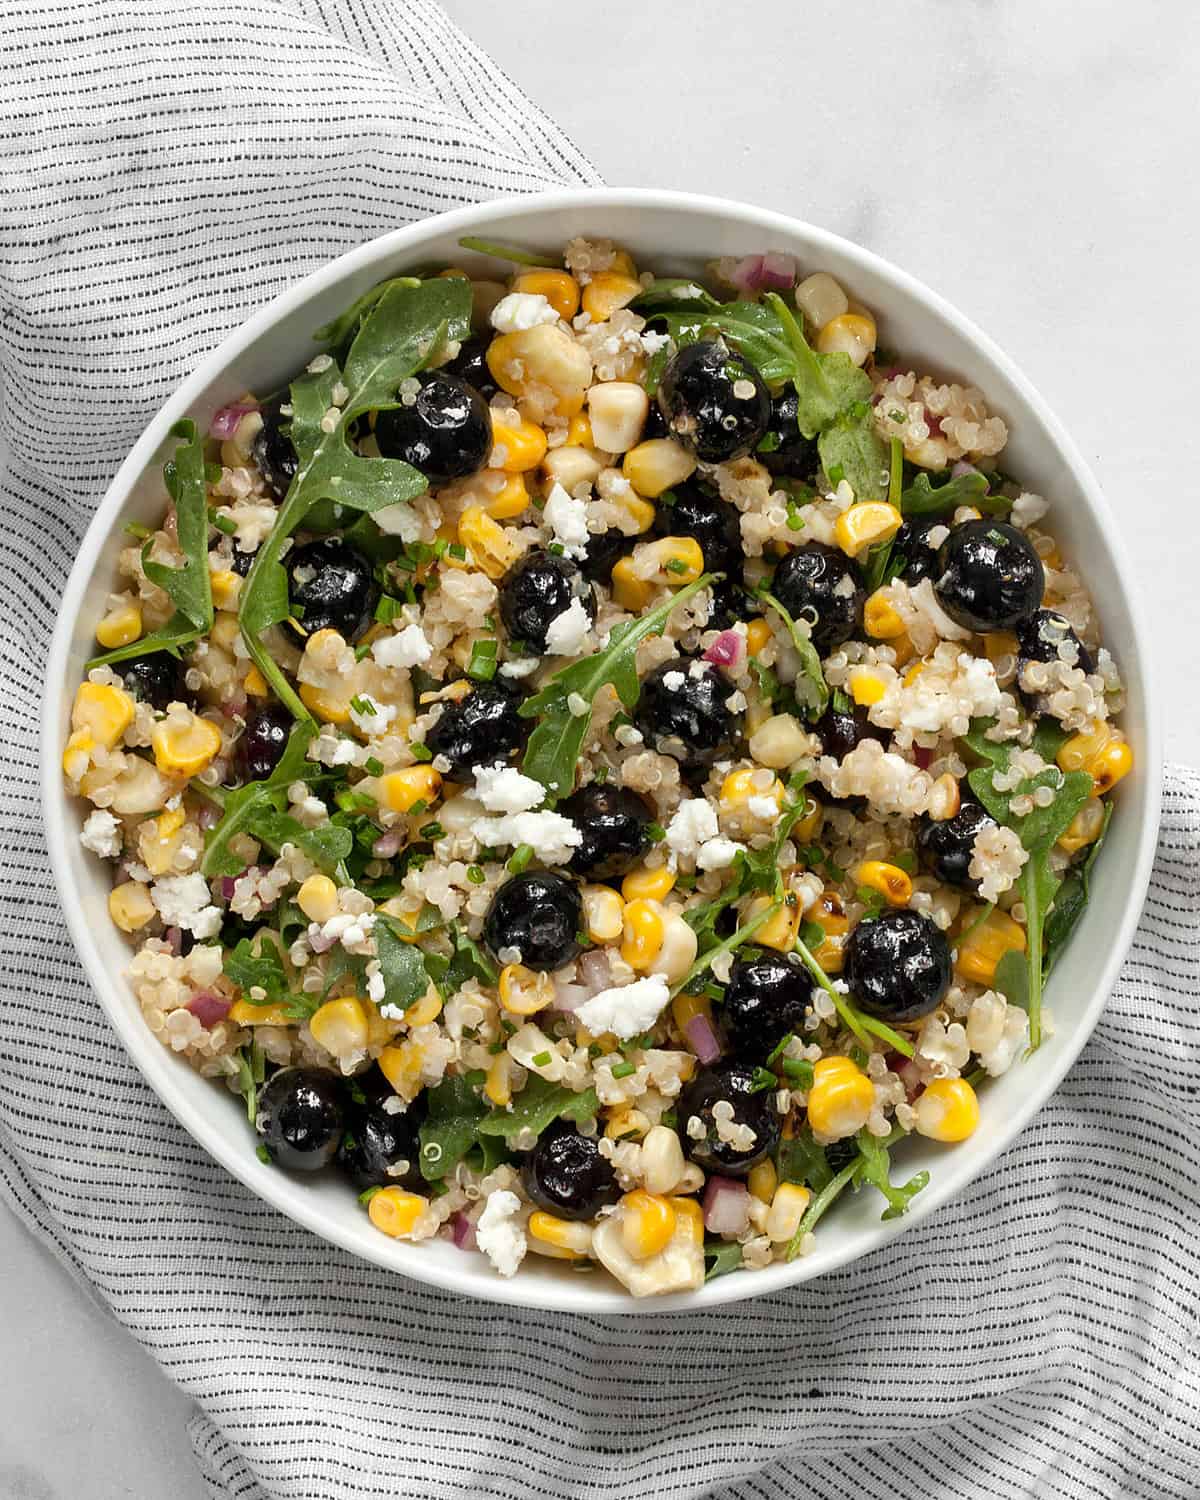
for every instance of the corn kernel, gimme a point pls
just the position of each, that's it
(559, 288)
(77, 754)
(639, 511)
(648, 883)
(866, 525)
(779, 931)
(880, 619)
(225, 585)
(656, 465)
(689, 1219)
(523, 992)
(185, 748)
(401, 1064)
(511, 501)
(643, 933)
(945, 798)
(1085, 827)
(246, 1013)
(498, 1084)
(808, 824)
(543, 356)
(618, 411)
(225, 632)
(985, 945)
(130, 906)
(851, 333)
(678, 560)
(913, 673)
(340, 1026)
(332, 708)
(395, 1211)
(492, 548)
(762, 1180)
(684, 1007)
(105, 712)
(627, 1122)
(524, 446)
(406, 915)
(579, 431)
(1113, 763)
(603, 909)
(630, 592)
(1074, 754)
(947, 1110)
(787, 1209)
(607, 292)
(841, 1098)
(572, 466)
(158, 841)
(866, 687)
(255, 683)
(425, 1010)
(778, 741)
(400, 791)
(739, 786)
(892, 883)
(317, 898)
(561, 1239)
(758, 635)
(120, 626)
(830, 916)
(647, 1223)
(821, 299)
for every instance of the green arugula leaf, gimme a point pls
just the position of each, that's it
(760, 867)
(251, 1070)
(851, 444)
(728, 945)
(814, 691)
(257, 964)
(1072, 898)
(467, 962)
(454, 1109)
(401, 966)
(1012, 978)
(511, 253)
(924, 498)
(538, 1105)
(875, 1168)
(241, 805)
(1049, 737)
(802, 1160)
(326, 846)
(828, 386)
(723, 1256)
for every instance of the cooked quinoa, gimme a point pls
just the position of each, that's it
(599, 760)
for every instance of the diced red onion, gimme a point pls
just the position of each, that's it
(462, 1231)
(728, 650)
(701, 1038)
(236, 707)
(208, 816)
(923, 757)
(225, 886)
(594, 971)
(225, 422)
(388, 844)
(726, 1206)
(887, 372)
(173, 937)
(319, 943)
(772, 272)
(208, 1008)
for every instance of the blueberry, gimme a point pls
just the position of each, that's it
(790, 453)
(911, 546)
(301, 1114)
(731, 1083)
(156, 679)
(241, 562)
(538, 588)
(897, 965)
(481, 729)
(613, 822)
(946, 846)
(604, 550)
(708, 520)
(821, 585)
(470, 365)
(843, 727)
(566, 1175)
(765, 998)
(1038, 640)
(335, 586)
(714, 402)
(446, 432)
(376, 1141)
(685, 715)
(263, 742)
(989, 576)
(272, 448)
(539, 914)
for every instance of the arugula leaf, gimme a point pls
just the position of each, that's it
(339, 330)
(511, 253)
(1072, 898)
(487, 1153)
(812, 678)
(326, 846)
(875, 1168)
(468, 961)
(924, 498)
(822, 1201)
(401, 966)
(262, 970)
(760, 867)
(448, 1132)
(241, 805)
(728, 945)
(851, 444)
(189, 586)
(724, 1256)
(1049, 737)
(1012, 978)
(538, 1105)
(802, 1160)
(556, 743)
(251, 1070)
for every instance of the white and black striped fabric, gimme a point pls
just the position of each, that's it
(168, 166)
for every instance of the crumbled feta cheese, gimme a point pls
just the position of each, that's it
(398, 520)
(499, 1234)
(522, 667)
(568, 630)
(673, 681)
(183, 901)
(551, 836)
(718, 853)
(376, 987)
(694, 823)
(765, 809)
(373, 719)
(503, 789)
(101, 834)
(567, 518)
(1027, 510)
(628, 1009)
(407, 648)
(521, 310)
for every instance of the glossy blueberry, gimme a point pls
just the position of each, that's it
(897, 965)
(613, 822)
(656, 424)
(946, 846)
(446, 432)
(730, 603)
(566, 1175)
(989, 576)
(843, 727)
(604, 550)
(765, 998)
(714, 402)
(708, 520)
(912, 547)
(538, 588)
(790, 453)
(821, 585)
(685, 715)
(1038, 640)
(375, 1141)
(481, 729)
(301, 1115)
(470, 365)
(538, 913)
(241, 562)
(156, 679)
(272, 448)
(235, 929)
(335, 586)
(732, 1083)
(263, 742)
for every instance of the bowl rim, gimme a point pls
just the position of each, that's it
(156, 1064)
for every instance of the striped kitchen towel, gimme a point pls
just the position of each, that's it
(167, 167)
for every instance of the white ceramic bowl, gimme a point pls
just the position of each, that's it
(669, 232)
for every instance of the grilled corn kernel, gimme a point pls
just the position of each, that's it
(493, 550)
(830, 916)
(543, 356)
(787, 1209)
(866, 687)
(559, 288)
(340, 1026)
(947, 1110)
(758, 635)
(985, 945)
(1075, 754)
(1106, 769)
(626, 1123)
(523, 446)
(678, 560)
(821, 299)
(639, 511)
(618, 410)
(739, 786)
(866, 525)
(892, 883)
(246, 1013)
(607, 292)
(185, 746)
(159, 842)
(395, 1211)
(841, 1098)
(572, 466)
(120, 626)
(602, 913)
(400, 791)
(317, 898)
(762, 1180)
(781, 930)
(561, 1239)
(255, 683)
(130, 906)
(880, 619)
(523, 992)
(428, 1008)
(778, 741)
(808, 824)
(498, 1084)
(1085, 827)
(851, 333)
(332, 708)
(225, 585)
(648, 884)
(647, 1223)
(77, 754)
(643, 933)
(685, 1006)
(663, 1165)
(630, 591)
(511, 501)
(677, 953)
(656, 465)
(105, 712)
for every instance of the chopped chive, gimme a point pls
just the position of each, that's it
(655, 832)
(799, 1070)
(601, 775)
(520, 859)
(623, 1069)
(482, 665)
(263, 1155)
(457, 551)
(224, 524)
(780, 1048)
(419, 806)
(540, 1059)
(372, 766)
(761, 1080)
(475, 875)
(676, 565)
(367, 1194)
(139, 532)
(433, 831)
(420, 752)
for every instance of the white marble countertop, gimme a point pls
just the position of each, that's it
(1035, 170)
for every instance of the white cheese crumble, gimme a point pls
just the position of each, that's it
(718, 853)
(673, 681)
(183, 901)
(551, 836)
(568, 630)
(694, 823)
(499, 1234)
(503, 789)
(521, 310)
(407, 648)
(521, 667)
(567, 518)
(101, 834)
(398, 520)
(374, 719)
(628, 1009)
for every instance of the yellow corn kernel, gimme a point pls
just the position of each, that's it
(781, 930)
(317, 898)
(866, 687)
(640, 511)
(559, 288)
(329, 707)
(185, 748)
(105, 712)
(523, 992)
(395, 1211)
(787, 1209)
(1075, 754)
(120, 626)
(685, 1006)
(648, 883)
(880, 619)
(225, 586)
(679, 560)
(524, 446)
(225, 631)
(603, 913)
(892, 883)
(647, 1223)
(400, 791)
(405, 914)
(511, 501)
(643, 933)
(157, 840)
(913, 673)
(758, 635)
(808, 824)
(493, 550)
(427, 1009)
(130, 906)
(380, 1029)
(841, 1098)
(622, 263)
(947, 1110)
(607, 292)
(626, 1122)
(830, 916)
(689, 1219)
(1106, 769)
(986, 944)
(255, 683)
(340, 1026)
(454, 272)
(1085, 827)
(400, 1064)
(851, 333)
(579, 431)
(77, 754)
(561, 1239)
(498, 1084)
(762, 1180)
(739, 786)
(630, 591)
(543, 356)
(246, 1013)
(866, 525)
(656, 465)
